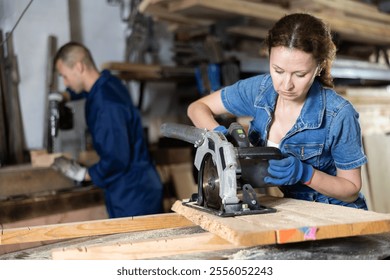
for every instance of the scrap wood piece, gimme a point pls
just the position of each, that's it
(92, 228)
(146, 249)
(294, 221)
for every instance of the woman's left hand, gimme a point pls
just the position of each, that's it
(288, 171)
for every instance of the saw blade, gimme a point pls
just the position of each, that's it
(209, 183)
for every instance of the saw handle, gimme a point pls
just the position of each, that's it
(183, 132)
(238, 135)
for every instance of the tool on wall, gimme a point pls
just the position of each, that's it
(226, 165)
(59, 115)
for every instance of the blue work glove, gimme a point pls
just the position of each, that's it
(221, 129)
(288, 171)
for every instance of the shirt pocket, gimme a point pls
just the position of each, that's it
(309, 153)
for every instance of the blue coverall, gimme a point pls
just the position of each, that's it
(125, 171)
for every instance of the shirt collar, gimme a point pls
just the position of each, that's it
(313, 110)
(104, 76)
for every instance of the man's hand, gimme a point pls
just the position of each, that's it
(70, 168)
(288, 171)
(56, 96)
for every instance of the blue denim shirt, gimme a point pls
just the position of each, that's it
(326, 134)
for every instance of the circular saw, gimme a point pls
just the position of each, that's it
(228, 169)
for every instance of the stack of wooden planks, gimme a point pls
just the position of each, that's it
(353, 21)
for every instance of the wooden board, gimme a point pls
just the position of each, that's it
(50, 202)
(294, 221)
(352, 21)
(146, 249)
(92, 228)
(25, 180)
(85, 214)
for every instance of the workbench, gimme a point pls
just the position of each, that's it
(174, 236)
(369, 247)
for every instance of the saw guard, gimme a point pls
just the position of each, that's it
(222, 153)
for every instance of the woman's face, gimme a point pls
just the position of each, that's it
(293, 72)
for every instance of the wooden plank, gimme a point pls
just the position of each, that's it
(349, 8)
(352, 28)
(84, 214)
(3, 121)
(149, 249)
(25, 180)
(162, 13)
(16, 141)
(93, 228)
(148, 72)
(50, 202)
(243, 8)
(377, 147)
(294, 221)
(253, 32)
(183, 180)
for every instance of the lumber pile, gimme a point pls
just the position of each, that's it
(352, 20)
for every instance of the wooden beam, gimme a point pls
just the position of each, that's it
(148, 72)
(92, 228)
(349, 8)
(50, 202)
(146, 249)
(161, 13)
(294, 221)
(25, 179)
(359, 27)
(243, 8)
(253, 32)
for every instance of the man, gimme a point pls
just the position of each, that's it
(125, 172)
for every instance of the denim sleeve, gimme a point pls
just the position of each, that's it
(347, 144)
(240, 97)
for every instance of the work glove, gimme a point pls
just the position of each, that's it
(288, 171)
(221, 129)
(55, 96)
(70, 168)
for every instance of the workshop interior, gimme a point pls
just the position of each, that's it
(169, 53)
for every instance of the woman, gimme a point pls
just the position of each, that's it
(295, 109)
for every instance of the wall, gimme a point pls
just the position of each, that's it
(95, 23)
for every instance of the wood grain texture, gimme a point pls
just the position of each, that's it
(25, 179)
(92, 228)
(294, 221)
(357, 22)
(146, 249)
